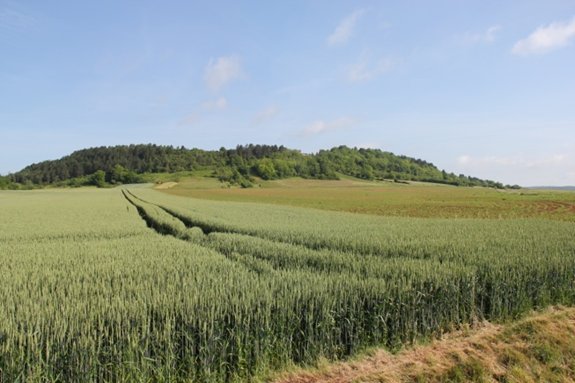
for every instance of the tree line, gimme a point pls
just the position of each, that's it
(242, 166)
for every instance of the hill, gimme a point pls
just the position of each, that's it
(127, 164)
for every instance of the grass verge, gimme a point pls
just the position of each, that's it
(537, 348)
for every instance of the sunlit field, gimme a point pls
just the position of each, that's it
(135, 284)
(389, 198)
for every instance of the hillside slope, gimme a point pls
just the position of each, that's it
(416, 199)
(123, 164)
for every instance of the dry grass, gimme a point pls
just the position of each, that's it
(165, 185)
(539, 348)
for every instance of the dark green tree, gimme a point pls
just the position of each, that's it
(98, 179)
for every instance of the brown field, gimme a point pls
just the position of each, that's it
(387, 198)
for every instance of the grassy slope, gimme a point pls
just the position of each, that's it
(387, 198)
(538, 348)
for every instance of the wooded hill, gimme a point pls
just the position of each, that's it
(127, 164)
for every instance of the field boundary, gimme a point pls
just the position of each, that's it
(538, 347)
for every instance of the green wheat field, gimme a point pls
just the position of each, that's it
(133, 284)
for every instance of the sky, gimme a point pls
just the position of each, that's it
(484, 88)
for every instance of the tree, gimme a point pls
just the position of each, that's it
(99, 179)
(283, 168)
(265, 169)
(4, 182)
(366, 172)
(122, 175)
(125, 163)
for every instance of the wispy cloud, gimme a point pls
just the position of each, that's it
(322, 126)
(218, 104)
(266, 114)
(365, 69)
(221, 71)
(486, 37)
(344, 30)
(546, 38)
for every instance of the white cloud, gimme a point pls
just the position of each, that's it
(266, 114)
(486, 37)
(321, 126)
(364, 70)
(221, 71)
(546, 38)
(218, 104)
(344, 30)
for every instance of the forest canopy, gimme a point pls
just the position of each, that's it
(127, 163)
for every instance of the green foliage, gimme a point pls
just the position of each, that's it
(124, 164)
(284, 168)
(232, 176)
(4, 182)
(98, 179)
(121, 175)
(265, 169)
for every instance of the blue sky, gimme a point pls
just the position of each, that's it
(485, 88)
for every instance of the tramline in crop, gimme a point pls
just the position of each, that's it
(233, 290)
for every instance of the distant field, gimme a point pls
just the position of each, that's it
(392, 199)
